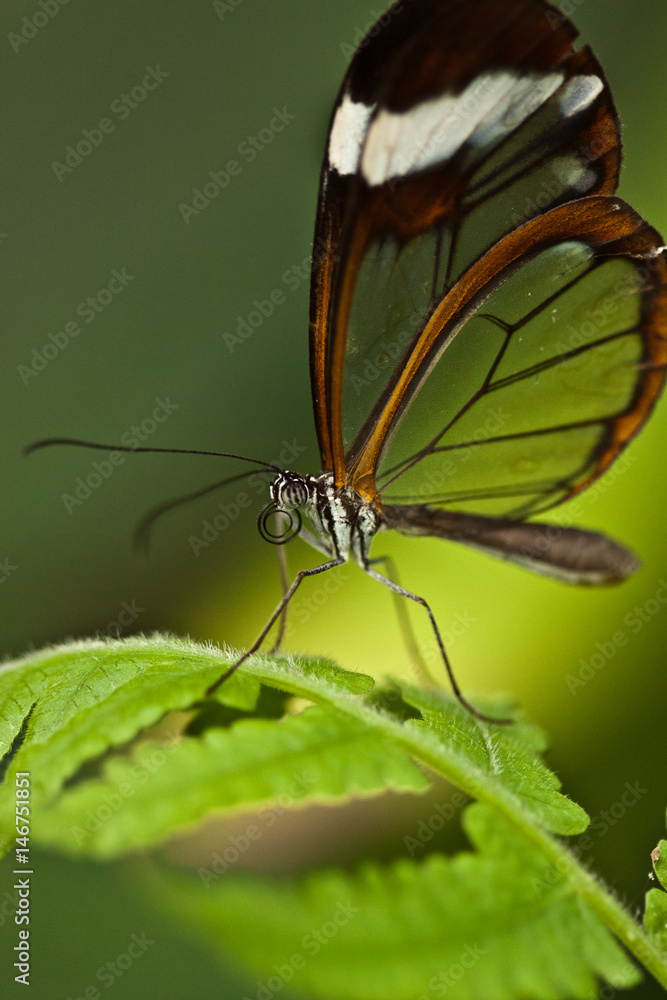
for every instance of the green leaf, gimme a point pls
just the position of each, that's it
(100, 695)
(89, 696)
(320, 755)
(501, 761)
(661, 863)
(67, 715)
(655, 917)
(494, 925)
(655, 914)
(240, 691)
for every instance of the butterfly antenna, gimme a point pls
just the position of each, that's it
(49, 442)
(145, 526)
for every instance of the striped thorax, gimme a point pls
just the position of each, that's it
(341, 521)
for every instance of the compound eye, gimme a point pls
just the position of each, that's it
(278, 525)
(290, 491)
(296, 494)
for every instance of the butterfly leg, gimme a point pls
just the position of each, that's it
(421, 669)
(397, 589)
(287, 597)
(282, 565)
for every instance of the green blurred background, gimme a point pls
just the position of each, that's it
(163, 337)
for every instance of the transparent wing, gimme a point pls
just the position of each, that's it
(444, 138)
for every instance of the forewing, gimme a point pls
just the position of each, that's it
(456, 122)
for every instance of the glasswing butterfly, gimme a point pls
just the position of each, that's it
(488, 322)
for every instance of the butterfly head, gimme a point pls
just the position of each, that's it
(289, 490)
(280, 520)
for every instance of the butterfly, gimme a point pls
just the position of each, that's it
(488, 322)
